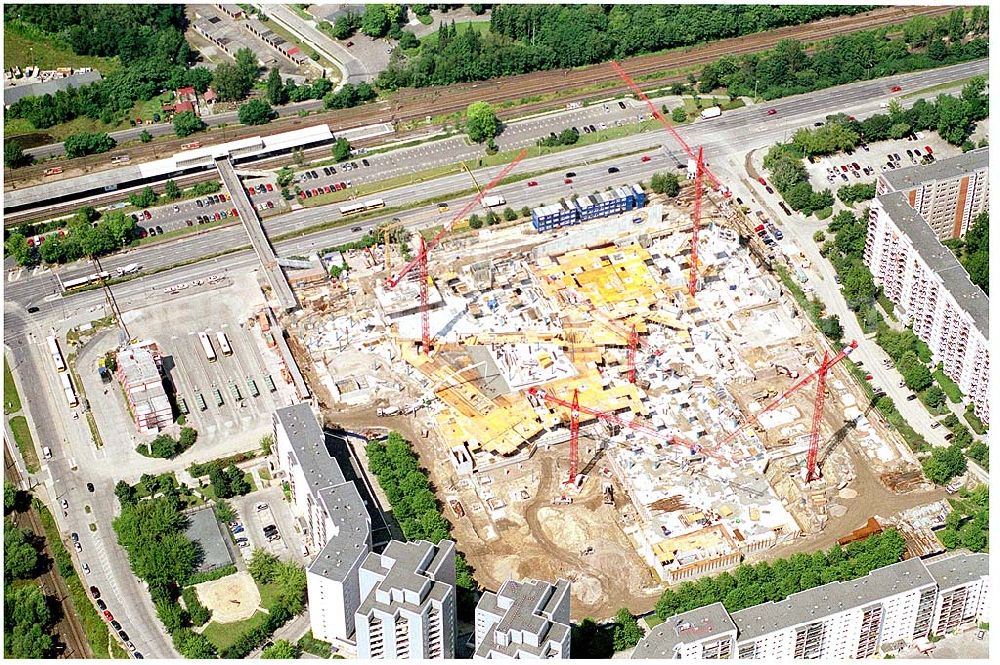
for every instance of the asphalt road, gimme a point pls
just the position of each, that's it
(75, 462)
(721, 137)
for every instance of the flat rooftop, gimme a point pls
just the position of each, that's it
(203, 528)
(942, 169)
(696, 625)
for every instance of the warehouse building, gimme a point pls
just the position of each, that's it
(881, 613)
(585, 208)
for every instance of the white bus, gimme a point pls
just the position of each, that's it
(83, 281)
(224, 343)
(362, 206)
(56, 354)
(206, 344)
(69, 390)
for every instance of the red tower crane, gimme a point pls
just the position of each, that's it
(812, 472)
(630, 424)
(696, 223)
(633, 341)
(425, 247)
(574, 437)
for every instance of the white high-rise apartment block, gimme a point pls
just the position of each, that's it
(409, 599)
(882, 612)
(337, 522)
(949, 193)
(527, 619)
(931, 290)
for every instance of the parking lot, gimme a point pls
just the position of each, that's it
(864, 165)
(288, 546)
(210, 208)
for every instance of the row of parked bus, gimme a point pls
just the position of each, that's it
(69, 390)
(206, 345)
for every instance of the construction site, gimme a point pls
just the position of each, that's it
(628, 403)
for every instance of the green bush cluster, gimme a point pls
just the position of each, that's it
(252, 639)
(200, 615)
(968, 524)
(204, 468)
(88, 233)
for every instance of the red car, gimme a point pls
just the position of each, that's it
(647, 158)
(218, 216)
(147, 214)
(302, 195)
(851, 117)
(234, 212)
(269, 188)
(532, 183)
(928, 150)
(222, 198)
(344, 185)
(762, 181)
(315, 192)
(250, 191)
(772, 111)
(568, 181)
(108, 615)
(337, 187)
(895, 88)
(327, 189)
(868, 377)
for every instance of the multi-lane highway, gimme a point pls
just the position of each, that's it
(721, 137)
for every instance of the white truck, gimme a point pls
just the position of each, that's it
(128, 270)
(387, 411)
(711, 112)
(493, 201)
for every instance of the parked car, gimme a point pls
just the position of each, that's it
(65, 504)
(108, 615)
(86, 569)
(95, 592)
(365, 162)
(268, 187)
(101, 605)
(262, 507)
(77, 546)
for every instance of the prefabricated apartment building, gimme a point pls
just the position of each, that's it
(583, 208)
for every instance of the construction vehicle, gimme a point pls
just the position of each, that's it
(609, 493)
(562, 500)
(387, 411)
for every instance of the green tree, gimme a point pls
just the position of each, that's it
(276, 93)
(341, 149)
(17, 248)
(627, 631)
(281, 649)
(953, 120)
(127, 496)
(944, 464)
(163, 446)
(665, 183)
(290, 579)
(345, 26)
(9, 496)
(475, 221)
(13, 155)
(230, 83)
(20, 558)
(224, 511)
(263, 566)
(187, 123)
(193, 645)
(79, 145)
(375, 21)
(256, 112)
(145, 136)
(915, 373)
(934, 397)
(481, 122)
(509, 214)
(830, 326)
(679, 115)
(171, 190)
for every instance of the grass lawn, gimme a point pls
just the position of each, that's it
(11, 400)
(482, 27)
(20, 50)
(225, 635)
(22, 436)
(268, 594)
(949, 387)
(974, 422)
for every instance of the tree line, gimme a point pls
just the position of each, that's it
(88, 233)
(414, 505)
(527, 38)
(776, 580)
(789, 70)
(968, 524)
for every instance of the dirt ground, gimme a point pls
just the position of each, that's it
(232, 598)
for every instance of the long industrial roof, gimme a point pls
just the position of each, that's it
(122, 176)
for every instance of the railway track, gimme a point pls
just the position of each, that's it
(68, 629)
(410, 104)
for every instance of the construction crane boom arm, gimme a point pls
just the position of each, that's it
(846, 351)
(394, 280)
(612, 418)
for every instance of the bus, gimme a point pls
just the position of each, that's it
(83, 281)
(362, 206)
(206, 344)
(224, 343)
(56, 354)
(69, 390)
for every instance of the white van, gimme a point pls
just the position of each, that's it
(46, 452)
